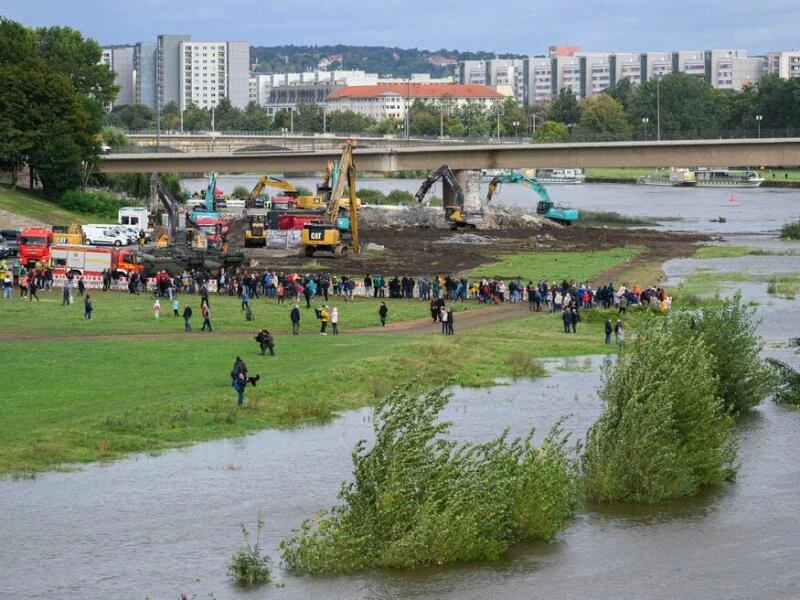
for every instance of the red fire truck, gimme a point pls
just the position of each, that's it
(34, 246)
(92, 260)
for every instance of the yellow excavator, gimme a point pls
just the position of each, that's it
(336, 234)
(305, 202)
(255, 236)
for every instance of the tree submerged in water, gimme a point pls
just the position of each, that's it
(420, 499)
(665, 432)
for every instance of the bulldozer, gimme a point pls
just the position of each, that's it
(255, 236)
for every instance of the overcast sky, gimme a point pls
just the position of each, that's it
(520, 26)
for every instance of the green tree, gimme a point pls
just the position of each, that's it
(256, 118)
(170, 116)
(624, 91)
(308, 118)
(132, 117)
(684, 102)
(19, 43)
(227, 117)
(57, 159)
(196, 119)
(347, 122)
(603, 119)
(565, 108)
(551, 132)
(664, 433)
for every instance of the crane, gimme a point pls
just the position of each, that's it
(330, 233)
(545, 207)
(453, 213)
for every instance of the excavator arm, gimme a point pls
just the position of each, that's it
(274, 182)
(157, 190)
(545, 205)
(447, 175)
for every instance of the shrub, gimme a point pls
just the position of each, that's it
(97, 204)
(419, 499)
(400, 197)
(791, 231)
(241, 192)
(664, 433)
(729, 333)
(248, 566)
(370, 196)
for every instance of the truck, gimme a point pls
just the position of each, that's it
(34, 246)
(91, 260)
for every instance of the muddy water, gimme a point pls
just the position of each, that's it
(165, 525)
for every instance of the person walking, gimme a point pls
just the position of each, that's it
(81, 286)
(295, 318)
(335, 320)
(383, 311)
(175, 306)
(450, 330)
(205, 310)
(245, 300)
(574, 317)
(443, 315)
(32, 287)
(266, 342)
(619, 331)
(567, 319)
(65, 293)
(324, 316)
(608, 329)
(239, 379)
(87, 307)
(187, 317)
(156, 308)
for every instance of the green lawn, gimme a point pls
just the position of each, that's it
(35, 207)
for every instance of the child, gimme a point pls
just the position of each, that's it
(382, 312)
(156, 308)
(175, 305)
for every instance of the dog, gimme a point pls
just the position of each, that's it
(253, 380)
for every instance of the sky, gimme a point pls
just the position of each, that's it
(524, 27)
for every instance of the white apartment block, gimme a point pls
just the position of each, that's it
(495, 73)
(211, 71)
(785, 64)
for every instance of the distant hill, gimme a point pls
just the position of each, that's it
(398, 62)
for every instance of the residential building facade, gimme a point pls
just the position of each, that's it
(211, 71)
(120, 60)
(785, 64)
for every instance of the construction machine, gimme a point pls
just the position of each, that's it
(297, 201)
(545, 207)
(255, 236)
(454, 212)
(332, 233)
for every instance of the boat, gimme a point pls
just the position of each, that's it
(676, 176)
(722, 177)
(556, 175)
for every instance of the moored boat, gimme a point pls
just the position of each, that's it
(556, 175)
(727, 178)
(675, 176)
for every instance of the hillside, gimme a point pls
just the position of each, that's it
(399, 62)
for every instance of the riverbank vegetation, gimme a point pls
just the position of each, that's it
(249, 566)
(788, 388)
(791, 231)
(420, 499)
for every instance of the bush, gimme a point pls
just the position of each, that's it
(400, 197)
(791, 231)
(729, 333)
(241, 192)
(664, 433)
(370, 196)
(419, 499)
(248, 566)
(97, 204)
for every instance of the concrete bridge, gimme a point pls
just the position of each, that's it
(244, 141)
(774, 152)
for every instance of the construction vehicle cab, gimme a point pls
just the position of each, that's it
(332, 233)
(545, 206)
(255, 236)
(454, 212)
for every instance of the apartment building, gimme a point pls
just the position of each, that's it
(392, 101)
(495, 73)
(120, 60)
(785, 64)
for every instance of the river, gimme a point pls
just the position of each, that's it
(159, 526)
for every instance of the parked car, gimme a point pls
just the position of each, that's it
(8, 247)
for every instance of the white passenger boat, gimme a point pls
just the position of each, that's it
(676, 177)
(745, 178)
(556, 175)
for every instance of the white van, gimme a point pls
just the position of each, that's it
(100, 235)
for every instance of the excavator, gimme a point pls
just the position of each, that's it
(332, 233)
(255, 236)
(304, 202)
(453, 213)
(545, 207)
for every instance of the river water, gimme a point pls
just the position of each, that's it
(163, 525)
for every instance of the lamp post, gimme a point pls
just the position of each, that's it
(324, 118)
(645, 121)
(758, 120)
(182, 120)
(291, 120)
(283, 131)
(441, 120)
(408, 106)
(516, 128)
(658, 106)
(213, 116)
(569, 127)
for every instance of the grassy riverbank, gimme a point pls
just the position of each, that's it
(773, 177)
(34, 207)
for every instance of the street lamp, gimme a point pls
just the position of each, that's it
(516, 128)
(645, 121)
(570, 126)
(213, 116)
(758, 120)
(283, 131)
(291, 119)
(658, 106)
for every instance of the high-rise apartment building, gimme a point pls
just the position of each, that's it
(120, 60)
(211, 71)
(495, 73)
(144, 65)
(785, 64)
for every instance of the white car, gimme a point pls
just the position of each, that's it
(104, 236)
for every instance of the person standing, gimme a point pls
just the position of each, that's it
(245, 299)
(187, 317)
(87, 307)
(619, 331)
(335, 320)
(65, 294)
(443, 315)
(608, 328)
(266, 342)
(175, 306)
(450, 330)
(324, 316)
(567, 319)
(239, 379)
(574, 317)
(295, 317)
(205, 310)
(81, 286)
(32, 287)
(156, 308)
(383, 311)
